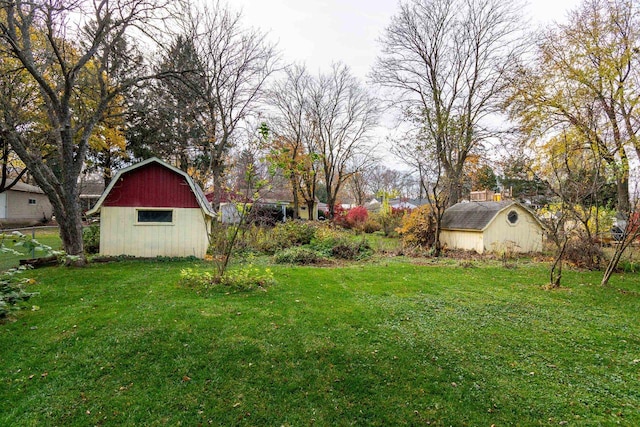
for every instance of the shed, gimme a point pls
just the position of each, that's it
(24, 204)
(490, 227)
(153, 209)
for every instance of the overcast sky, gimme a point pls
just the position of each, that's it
(319, 32)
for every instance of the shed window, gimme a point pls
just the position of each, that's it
(165, 216)
(512, 217)
(32, 201)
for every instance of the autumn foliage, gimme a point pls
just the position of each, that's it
(418, 228)
(357, 216)
(353, 218)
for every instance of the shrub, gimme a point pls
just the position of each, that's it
(241, 280)
(91, 239)
(12, 291)
(351, 250)
(332, 242)
(286, 235)
(391, 220)
(339, 215)
(356, 217)
(583, 253)
(325, 238)
(298, 255)
(371, 225)
(418, 228)
(265, 214)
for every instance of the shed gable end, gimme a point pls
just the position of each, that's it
(152, 185)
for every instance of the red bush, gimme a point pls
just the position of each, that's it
(357, 216)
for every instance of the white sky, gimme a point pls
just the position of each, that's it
(319, 32)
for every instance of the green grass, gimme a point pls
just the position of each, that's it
(385, 343)
(46, 236)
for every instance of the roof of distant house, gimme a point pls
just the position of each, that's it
(26, 188)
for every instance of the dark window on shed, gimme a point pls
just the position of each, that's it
(155, 215)
(512, 217)
(32, 201)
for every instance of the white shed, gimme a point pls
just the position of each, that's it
(491, 226)
(153, 209)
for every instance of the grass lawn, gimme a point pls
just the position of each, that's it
(385, 343)
(46, 236)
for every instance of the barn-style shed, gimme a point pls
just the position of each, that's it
(490, 227)
(153, 209)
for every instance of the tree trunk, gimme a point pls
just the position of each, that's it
(437, 245)
(217, 189)
(331, 204)
(622, 187)
(296, 198)
(311, 207)
(555, 274)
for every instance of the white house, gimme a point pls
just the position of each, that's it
(24, 204)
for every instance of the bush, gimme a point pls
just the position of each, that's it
(418, 228)
(356, 217)
(265, 214)
(391, 220)
(286, 235)
(241, 280)
(91, 239)
(583, 253)
(298, 255)
(325, 238)
(332, 242)
(351, 250)
(339, 215)
(371, 225)
(12, 291)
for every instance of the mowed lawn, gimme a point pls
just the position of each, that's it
(48, 236)
(384, 343)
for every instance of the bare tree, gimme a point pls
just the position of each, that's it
(381, 179)
(235, 64)
(344, 116)
(446, 61)
(79, 68)
(294, 146)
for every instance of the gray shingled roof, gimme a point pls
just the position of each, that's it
(472, 215)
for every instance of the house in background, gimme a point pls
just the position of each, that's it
(24, 204)
(491, 226)
(153, 209)
(374, 205)
(277, 199)
(90, 192)
(490, 195)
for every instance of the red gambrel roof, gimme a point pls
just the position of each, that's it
(153, 183)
